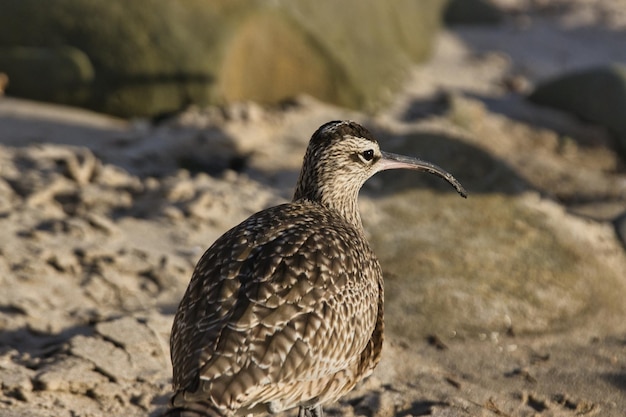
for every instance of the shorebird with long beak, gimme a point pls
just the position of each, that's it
(286, 309)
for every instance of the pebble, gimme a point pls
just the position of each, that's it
(16, 380)
(109, 359)
(139, 341)
(71, 374)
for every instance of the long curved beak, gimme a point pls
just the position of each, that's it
(394, 161)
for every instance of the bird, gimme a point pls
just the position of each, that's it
(285, 309)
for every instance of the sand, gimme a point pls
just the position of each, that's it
(103, 220)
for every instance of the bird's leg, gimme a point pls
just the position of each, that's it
(315, 411)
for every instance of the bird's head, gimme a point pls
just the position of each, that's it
(341, 156)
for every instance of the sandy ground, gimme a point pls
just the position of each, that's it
(103, 220)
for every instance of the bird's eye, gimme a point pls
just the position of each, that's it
(368, 155)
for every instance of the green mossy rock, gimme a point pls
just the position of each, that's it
(491, 263)
(148, 56)
(157, 56)
(366, 45)
(502, 259)
(62, 74)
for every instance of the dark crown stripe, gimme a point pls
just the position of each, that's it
(337, 129)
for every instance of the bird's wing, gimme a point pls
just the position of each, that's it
(279, 298)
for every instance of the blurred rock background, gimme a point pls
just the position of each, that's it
(151, 57)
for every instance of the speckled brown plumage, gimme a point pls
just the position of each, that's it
(286, 309)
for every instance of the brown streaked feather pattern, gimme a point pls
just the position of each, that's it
(280, 318)
(286, 309)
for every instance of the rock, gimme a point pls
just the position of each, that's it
(485, 173)
(490, 153)
(147, 354)
(472, 12)
(596, 95)
(110, 390)
(138, 66)
(210, 52)
(57, 74)
(127, 332)
(491, 264)
(310, 47)
(71, 374)
(111, 361)
(16, 380)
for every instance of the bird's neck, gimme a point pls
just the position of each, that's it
(344, 202)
